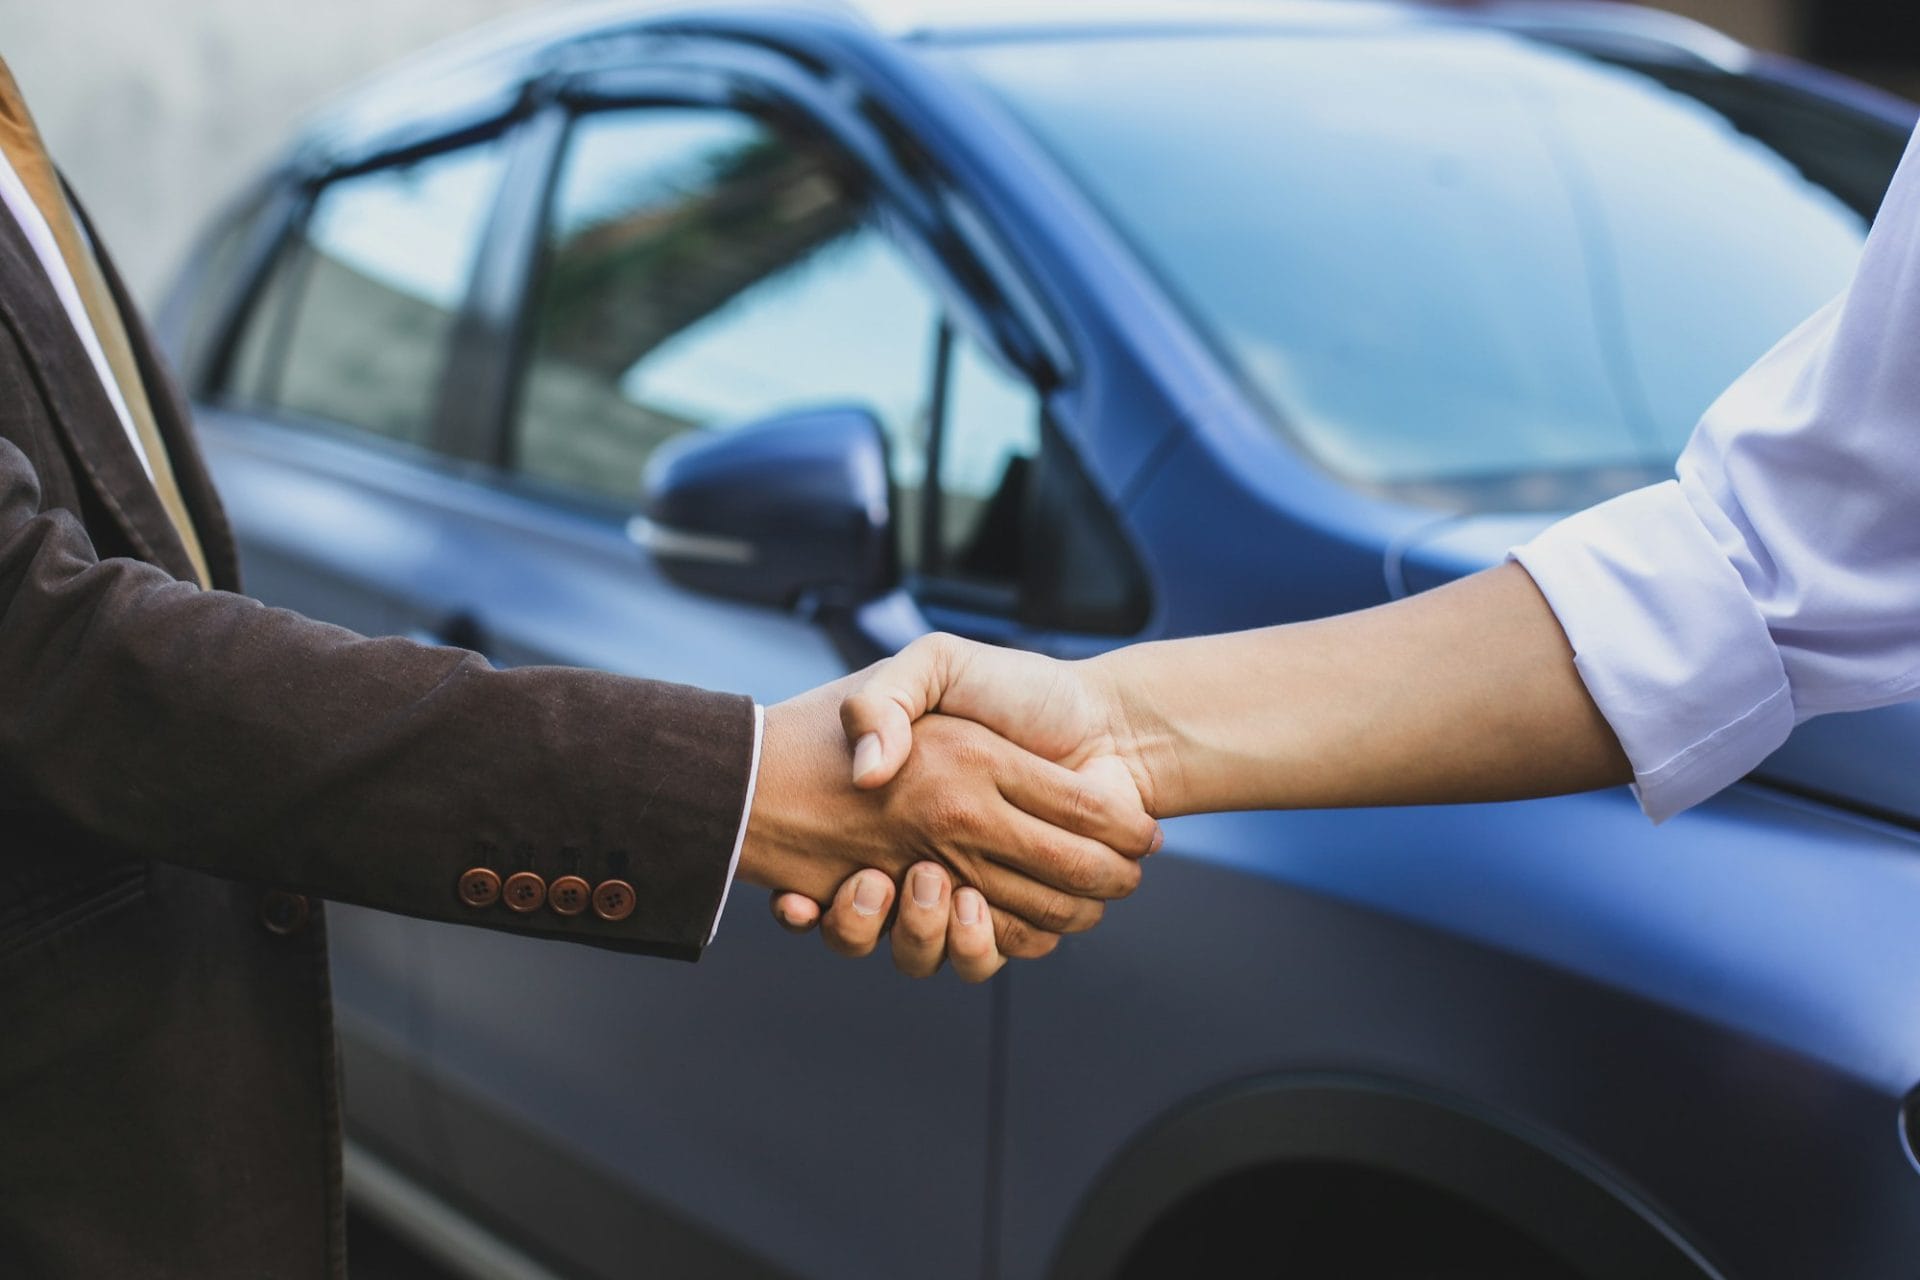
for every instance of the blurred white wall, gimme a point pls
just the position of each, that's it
(158, 109)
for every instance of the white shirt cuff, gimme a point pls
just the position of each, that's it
(1671, 646)
(746, 811)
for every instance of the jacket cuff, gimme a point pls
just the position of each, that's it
(643, 786)
(1670, 645)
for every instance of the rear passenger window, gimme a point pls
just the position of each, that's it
(355, 324)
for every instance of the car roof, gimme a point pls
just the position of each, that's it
(494, 59)
(936, 18)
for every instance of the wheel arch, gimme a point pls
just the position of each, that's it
(1546, 1191)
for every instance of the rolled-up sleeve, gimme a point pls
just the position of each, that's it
(1778, 576)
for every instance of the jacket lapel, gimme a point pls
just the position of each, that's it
(78, 403)
(172, 418)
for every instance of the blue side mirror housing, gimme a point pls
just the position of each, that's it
(788, 510)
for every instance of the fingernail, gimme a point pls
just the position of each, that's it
(866, 755)
(1159, 838)
(869, 895)
(926, 888)
(966, 905)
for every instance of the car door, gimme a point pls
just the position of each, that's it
(698, 267)
(319, 415)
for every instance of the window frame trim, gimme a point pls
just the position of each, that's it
(284, 246)
(669, 85)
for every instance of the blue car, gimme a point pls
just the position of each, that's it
(740, 345)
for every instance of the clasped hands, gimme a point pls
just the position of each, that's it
(999, 799)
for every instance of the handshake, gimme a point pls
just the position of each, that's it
(999, 797)
(1013, 794)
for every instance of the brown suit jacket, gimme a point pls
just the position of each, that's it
(184, 772)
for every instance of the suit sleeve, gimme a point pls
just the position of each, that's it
(202, 728)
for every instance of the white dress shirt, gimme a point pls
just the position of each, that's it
(47, 249)
(1778, 577)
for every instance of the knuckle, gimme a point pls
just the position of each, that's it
(948, 816)
(1085, 808)
(847, 934)
(915, 962)
(860, 709)
(1014, 935)
(919, 926)
(1024, 942)
(1090, 871)
(1055, 913)
(841, 944)
(971, 944)
(1073, 915)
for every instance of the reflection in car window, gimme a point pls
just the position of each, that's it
(989, 440)
(355, 323)
(1456, 265)
(705, 271)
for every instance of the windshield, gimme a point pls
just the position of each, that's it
(1460, 266)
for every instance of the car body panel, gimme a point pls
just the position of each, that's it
(1714, 1021)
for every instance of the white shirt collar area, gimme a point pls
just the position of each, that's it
(25, 212)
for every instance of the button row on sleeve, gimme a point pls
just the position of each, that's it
(525, 892)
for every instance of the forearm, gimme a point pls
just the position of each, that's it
(1465, 693)
(154, 720)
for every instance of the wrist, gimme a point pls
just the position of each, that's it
(1142, 737)
(775, 852)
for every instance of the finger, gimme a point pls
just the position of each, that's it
(920, 926)
(1098, 801)
(878, 716)
(1047, 857)
(795, 912)
(1043, 907)
(970, 943)
(1018, 940)
(853, 924)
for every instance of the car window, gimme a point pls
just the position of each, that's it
(1454, 265)
(704, 269)
(215, 275)
(989, 443)
(355, 323)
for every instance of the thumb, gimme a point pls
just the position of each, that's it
(796, 912)
(878, 716)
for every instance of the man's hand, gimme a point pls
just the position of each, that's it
(1042, 844)
(1058, 710)
(934, 923)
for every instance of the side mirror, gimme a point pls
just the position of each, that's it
(791, 508)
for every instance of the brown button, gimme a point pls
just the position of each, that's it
(568, 895)
(283, 913)
(479, 886)
(525, 891)
(613, 900)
